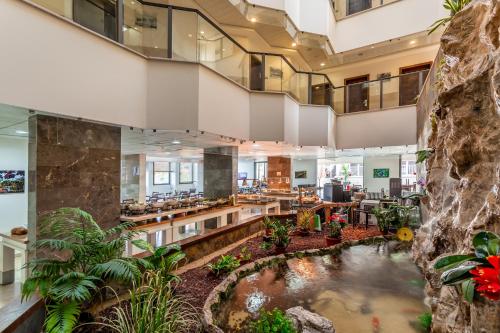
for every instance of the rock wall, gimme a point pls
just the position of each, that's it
(463, 173)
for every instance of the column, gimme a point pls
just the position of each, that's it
(220, 172)
(73, 163)
(133, 177)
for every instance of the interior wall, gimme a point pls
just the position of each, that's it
(248, 166)
(310, 166)
(14, 206)
(380, 162)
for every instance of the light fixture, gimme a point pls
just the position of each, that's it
(322, 64)
(253, 19)
(298, 148)
(294, 44)
(372, 47)
(176, 142)
(190, 35)
(255, 145)
(413, 42)
(156, 46)
(202, 32)
(21, 132)
(132, 2)
(124, 28)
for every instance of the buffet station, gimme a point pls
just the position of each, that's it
(253, 204)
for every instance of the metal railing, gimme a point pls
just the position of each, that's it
(379, 94)
(345, 8)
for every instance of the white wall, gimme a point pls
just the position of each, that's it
(391, 21)
(382, 162)
(246, 165)
(311, 166)
(14, 206)
(390, 127)
(316, 126)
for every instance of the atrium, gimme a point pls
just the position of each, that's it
(254, 166)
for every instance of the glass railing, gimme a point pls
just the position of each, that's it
(185, 34)
(344, 8)
(379, 94)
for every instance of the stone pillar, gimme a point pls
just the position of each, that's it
(133, 177)
(220, 172)
(73, 163)
(279, 171)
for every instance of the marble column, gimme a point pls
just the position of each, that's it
(73, 163)
(220, 172)
(133, 177)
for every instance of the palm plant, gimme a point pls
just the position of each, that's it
(454, 6)
(81, 258)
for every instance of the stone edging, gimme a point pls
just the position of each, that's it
(222, 290)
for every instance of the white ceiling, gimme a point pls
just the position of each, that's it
(13, 121)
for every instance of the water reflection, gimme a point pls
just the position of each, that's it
(365, 289)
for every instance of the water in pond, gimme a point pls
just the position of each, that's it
(368, 288)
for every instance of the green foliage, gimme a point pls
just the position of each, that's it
(225, 264)
(334, 230)
(395, 216)
(454, 6)
(164, 258)
(154, 308)
(266, 246)
(458, 267)
(304, 219)
(423, 155)
(245, 254)
(272, 321)
(280, 235)
(267, 222)
(90, 258)
(425, 320)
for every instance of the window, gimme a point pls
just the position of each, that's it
(356, 169)
(161, 173)
(186, 173)
(408, 168)
(260, 170)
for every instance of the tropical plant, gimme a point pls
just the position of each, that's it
(346, 172)
(153, 308)
(454, 6)
(280, 235)
(267, 222)
(266, 246)
(425, 320)
(424, 154)
(164, 259)
(272, 321)
(383, 218)
(304, 220)
(334, 230)
(88, 259)
(477, 273)
(225, 264)
(245, 254)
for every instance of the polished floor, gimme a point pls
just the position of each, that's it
(12, 291)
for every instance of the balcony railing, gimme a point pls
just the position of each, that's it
(379, 94)
(185, 34)
(344, 8)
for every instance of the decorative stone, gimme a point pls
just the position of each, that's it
(309, 322)
(463, 175)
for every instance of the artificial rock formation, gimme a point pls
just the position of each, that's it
(309, 322)
(463, 173)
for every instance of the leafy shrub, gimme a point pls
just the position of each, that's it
(245, 254)
(225, 264)
(164, 259)
(272, 321)
(90, 258)
(304, 220)
(280, 235)
(425, 320)
(334, 230)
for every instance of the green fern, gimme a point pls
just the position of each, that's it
(62, 317)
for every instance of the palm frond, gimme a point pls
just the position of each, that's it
(144, 245)
(74, 286)
(117, 269)
(62, 317)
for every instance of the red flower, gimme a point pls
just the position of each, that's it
(334, 217)
(488, 279)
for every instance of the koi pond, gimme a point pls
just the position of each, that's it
(367, 288)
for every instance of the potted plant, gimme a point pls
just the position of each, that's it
(334, 235)
(280, 236)
(304, 222)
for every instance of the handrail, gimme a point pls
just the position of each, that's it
(230, 38)
(383, 79)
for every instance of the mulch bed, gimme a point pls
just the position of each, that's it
(197, 283)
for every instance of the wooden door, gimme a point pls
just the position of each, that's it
(411, 81)
(321, 94)
(356, 94)
(256, 67)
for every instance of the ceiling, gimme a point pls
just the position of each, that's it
(13, 121)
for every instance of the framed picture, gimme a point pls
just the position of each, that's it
(11, 181)
(242, 175)
(186, 173)
(381, 173)
(300, 174)
(146, 21)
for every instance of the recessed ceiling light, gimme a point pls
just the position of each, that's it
(21, 132)
(124, 28)
(132, 2)
(253, 19)
(190, 35)
(255, 145)
(156, 46)
(372, 47)
(294, 44)
(176, 142)
(413, 42)
(202, 32)
(322, 64)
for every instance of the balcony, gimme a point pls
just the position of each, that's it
(383, 93)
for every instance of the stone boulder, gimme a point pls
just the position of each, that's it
(308, 322)
(463, 172)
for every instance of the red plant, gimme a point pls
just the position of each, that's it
(334, 217)
(488, 278)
